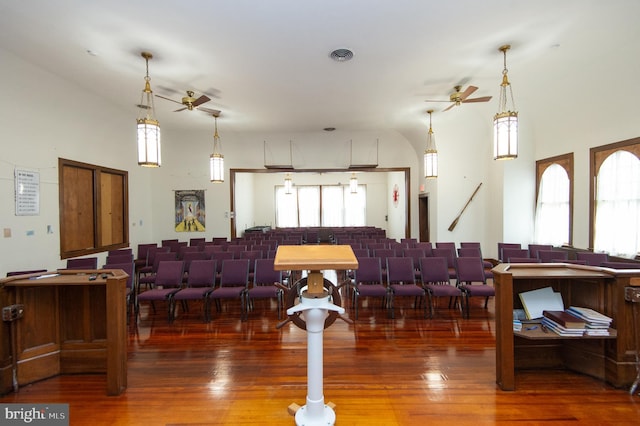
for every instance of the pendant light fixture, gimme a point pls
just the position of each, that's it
(288, 184)
(353, 184)
(216, 160)
(430, 153)
(148, 126)
(505, 122)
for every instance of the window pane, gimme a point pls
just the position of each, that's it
(309, 205)
(355, 206)
(332, 206)
(552, 210)
(617, 217)
(286, 208)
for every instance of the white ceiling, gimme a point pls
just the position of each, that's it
(266, 64)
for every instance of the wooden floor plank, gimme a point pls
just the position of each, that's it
(378, 371)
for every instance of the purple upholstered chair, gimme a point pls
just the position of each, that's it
(129, 268)
(234, 282)
(435, 280)
(368, 281)
(148, 280)
(416, 254)
(592, 259)
(470, 270)
(168, 281)
(509, 253)
(201, 279)
(264, 284)
(401, 279)
(83, 263)
(547, 256)
(448, 254)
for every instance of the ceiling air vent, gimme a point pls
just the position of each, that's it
(341, 55)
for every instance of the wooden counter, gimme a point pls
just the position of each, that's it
(70, 325)
(611, 358)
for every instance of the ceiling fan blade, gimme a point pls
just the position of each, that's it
(169, 99)
(202, 99)
(468, 92)
(437, 100)
(449, 107)
(181, 109)
(481, 99)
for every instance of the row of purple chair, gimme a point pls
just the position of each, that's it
(201, 284)
(434, 281)
(546, 253)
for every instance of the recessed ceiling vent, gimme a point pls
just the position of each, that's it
(341, 55)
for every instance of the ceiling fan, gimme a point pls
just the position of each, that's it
(458, 97)
(190, 103)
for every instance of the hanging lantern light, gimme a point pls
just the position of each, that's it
(148, 125)
(430, 153)
(353, 184)
(288, 184)
(216, 160)
(505, 122)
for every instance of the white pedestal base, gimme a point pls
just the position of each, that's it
(315, 310)
(303, 418)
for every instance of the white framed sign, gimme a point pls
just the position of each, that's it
(27, 192)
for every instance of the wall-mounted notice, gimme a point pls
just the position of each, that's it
(27, 193)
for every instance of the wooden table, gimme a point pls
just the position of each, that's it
(611, 359)
(71, 324)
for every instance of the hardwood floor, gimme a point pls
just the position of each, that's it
(407, 371)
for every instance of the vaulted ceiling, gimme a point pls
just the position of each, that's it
(266, 64)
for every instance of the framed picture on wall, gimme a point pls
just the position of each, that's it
(189, 211)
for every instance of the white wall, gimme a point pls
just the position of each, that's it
(44, 117)
(188, 169)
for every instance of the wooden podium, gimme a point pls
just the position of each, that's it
(611, 359)
(314, 312)
(70, 324)
(315, 258)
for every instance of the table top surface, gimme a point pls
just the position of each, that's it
(315, 258)
(550, 270)
(65, 277)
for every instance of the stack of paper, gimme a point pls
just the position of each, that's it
(597, 323)
(537, 301)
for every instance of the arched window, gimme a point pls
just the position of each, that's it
(554, 200)
(617, 205)
(552, 208)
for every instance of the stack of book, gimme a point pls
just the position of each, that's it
(517, 325)
(564, 323)
(597, 324)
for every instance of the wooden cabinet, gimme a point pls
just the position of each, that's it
(70, 325)
(611, 359)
